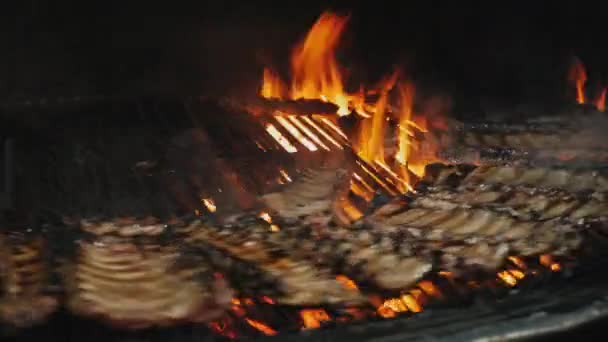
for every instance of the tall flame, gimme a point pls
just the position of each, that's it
(272, 86)
(578, 76)
(315, 71)
(600, 102)
(371, 136)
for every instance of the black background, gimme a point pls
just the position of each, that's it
(515, 49)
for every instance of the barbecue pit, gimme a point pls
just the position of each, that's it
(303, 212)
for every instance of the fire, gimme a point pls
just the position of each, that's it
(600, 102)
(371, 137)
(210, 204)
(272, 86)
(261, 327)
(315, 71)
(578, 76)
(315, 74)
(312, 318)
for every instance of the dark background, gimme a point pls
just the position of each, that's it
(504, 50)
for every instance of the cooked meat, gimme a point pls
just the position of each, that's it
(135, 284)
(24, 273)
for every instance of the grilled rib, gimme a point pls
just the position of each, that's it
(556, 178)
(246, 251)
(368, 256)
(24, 275)
(126, 275)
(311, 195)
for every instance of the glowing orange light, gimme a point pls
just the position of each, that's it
(517, 262)
(547, 261)
(267, 300)
(314, 68)
(261, 327)
(508, 278)
(265, 216)
(312, 318)
(411, 303)
(272, 87)
(210, 204)
(600, 102)
(347, 282)
(578, 76)
(430, 289)
(285, 175)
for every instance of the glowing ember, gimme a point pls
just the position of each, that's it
(600, 102)
(312, 318)
(578, 76)
(547, 261)
(274, 228)
(210, 204)
(286, 144)
(517, 262)
(386, 312)
(507, 278)
(395, 304)
(347, 282)
(430, 289)
(411, 303)
(261, 327)
(265, 216)
(285, 175)
(223, 327)
(314, 68)
(267, 300)
(517, 274)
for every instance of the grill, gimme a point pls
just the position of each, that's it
(528, 296)
(312, 211)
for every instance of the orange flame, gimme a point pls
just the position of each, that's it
(600, 102)
(578, 76)
(315, 71)
(272, 86)
(371, 136)
(316, 75)
(312, 318)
